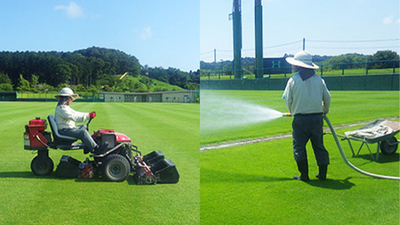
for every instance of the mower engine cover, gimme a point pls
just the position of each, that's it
(119, 138)
(35, 136)
(40, 124)
(109, 138)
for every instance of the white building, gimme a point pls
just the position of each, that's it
(165, 96)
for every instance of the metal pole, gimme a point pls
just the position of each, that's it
(322, 70)
(215, 62)
(304, 44)
(259, 39)
(237, 39)
(394, 67)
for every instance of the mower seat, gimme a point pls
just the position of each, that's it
(58, 138)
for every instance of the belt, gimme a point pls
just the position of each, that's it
(308, 114)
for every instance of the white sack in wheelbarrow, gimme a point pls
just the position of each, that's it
(375, 130)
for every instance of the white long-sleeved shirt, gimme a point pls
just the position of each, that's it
(66, 117)
(308, 96)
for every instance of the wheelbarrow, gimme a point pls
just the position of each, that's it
(381, 132)
(335, 137)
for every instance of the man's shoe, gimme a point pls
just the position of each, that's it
(302, 166)
(322, 172)
(301, 178)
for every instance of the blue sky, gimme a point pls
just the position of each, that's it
(350, 26)
(179, 33)
(158, 33)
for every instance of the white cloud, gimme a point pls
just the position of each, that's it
(145, 33)
(73, 10)
(387, 20)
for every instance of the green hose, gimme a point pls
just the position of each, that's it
(347, 161)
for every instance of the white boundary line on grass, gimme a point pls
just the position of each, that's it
(272, 138)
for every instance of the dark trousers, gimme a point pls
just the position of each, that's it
(81, 133)
(309, 127)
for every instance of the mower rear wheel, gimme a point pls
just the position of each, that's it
(388, 149)
(42, 165)
(115, 168)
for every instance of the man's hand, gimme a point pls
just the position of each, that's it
(92, 115)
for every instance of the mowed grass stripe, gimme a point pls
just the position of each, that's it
(254, 183)
(11, 110)
(187, 113)
(50, 200)
(150, 122)
(163, 131)
(158, 131)
(177, 124)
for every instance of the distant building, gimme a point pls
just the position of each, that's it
(165, 96)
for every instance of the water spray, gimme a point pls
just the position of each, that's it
(219, 112)
(344, 156)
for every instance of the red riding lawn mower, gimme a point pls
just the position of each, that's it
(115, 162)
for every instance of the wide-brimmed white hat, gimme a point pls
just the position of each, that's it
(68, 93)
(302, 59)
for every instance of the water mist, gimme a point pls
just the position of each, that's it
(218, 112)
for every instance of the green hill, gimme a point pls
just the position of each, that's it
(137, 84)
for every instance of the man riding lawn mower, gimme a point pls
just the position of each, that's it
(112, 152)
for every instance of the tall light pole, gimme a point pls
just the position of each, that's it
(237, 39)
(259, 38)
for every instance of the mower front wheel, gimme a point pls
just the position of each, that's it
(42, 165)
(115, 168)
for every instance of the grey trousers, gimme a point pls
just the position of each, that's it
(81, 133)
(309, 127)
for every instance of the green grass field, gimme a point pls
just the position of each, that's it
(249, 184)
(170, 128)
(252, 184)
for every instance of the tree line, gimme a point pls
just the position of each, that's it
(90, 69)
(379, 60)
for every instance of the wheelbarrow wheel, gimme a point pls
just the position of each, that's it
(115, 168)
(42, 165)
(388, 149)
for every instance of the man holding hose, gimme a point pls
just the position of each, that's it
(308, 99)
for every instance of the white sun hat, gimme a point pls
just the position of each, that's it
(68, 93)
(302, 59)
